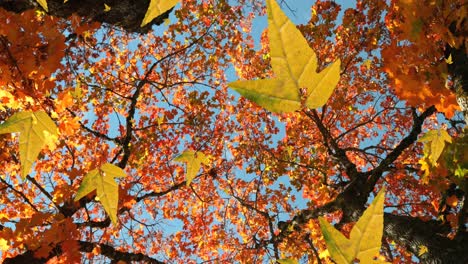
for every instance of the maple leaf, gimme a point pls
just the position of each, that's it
(107, 190)
(435, 143)
(294, 64)
(36, 130)
(288, 261)
(156, 8)
(422, 250)
(43, 4)
(107, 8)
(4, 245)
(449, 59)
(194, 161)
(365, 239)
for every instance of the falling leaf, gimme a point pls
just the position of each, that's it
(460, 172)
(449, 59)
(43, 4)
(288, 261)
(36, 130)
(106, 8)
(365, 238)
(294, 64)
(367, 63)
(273, 95)
(426, 168)
(107, 190)
(78, 92)
(4, 245)
(324, 254)
(422, 250)
(435, 143)
(194, 161)
(156, 8)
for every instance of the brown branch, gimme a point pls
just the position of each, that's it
(384, 165)
(106, 250)
(159, 194)
(115, 254)
(333, 147)
(127, 14)
(22, 195)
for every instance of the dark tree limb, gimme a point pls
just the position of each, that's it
(106, 250)
(127, 14)
(408, 232)
(412, 233)
(116, 255)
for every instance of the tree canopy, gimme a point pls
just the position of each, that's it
(176, 132)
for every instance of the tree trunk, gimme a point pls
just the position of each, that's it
(126, 14)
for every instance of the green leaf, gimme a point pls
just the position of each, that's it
(435, 143)
(288, 261)
(294, 64)
(365, 238)
(460, 172)
(43, 4)
(194, 161)
(36, 130)
(156, 8)
(107, 190)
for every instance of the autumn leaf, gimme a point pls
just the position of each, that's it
(194, 161)
(365, 239)
(288, 261)
(107, 190)
(107, 8)
(426, 168)
(3, 245)
(435, 143)
(43, 4)
(274, 95)
(36, 130)
(294, 64)
(324, 254)
(367, 63)
(156, 8)
(449, 59)
(422, 250)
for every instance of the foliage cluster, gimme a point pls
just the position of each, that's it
(135, 148)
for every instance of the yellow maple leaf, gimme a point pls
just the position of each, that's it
(422, 250)
(156, 8)
(365, 238)
(367, 63)
(449, 59)
(288, 261)
(43, 4)
(435, 143)
(4, 245)
(324, 254)
(107, 8)
(36, 130)
(294, 64)
(107, 190)
(194, 161)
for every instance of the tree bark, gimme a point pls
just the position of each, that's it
(126, 14)
(413, 233)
